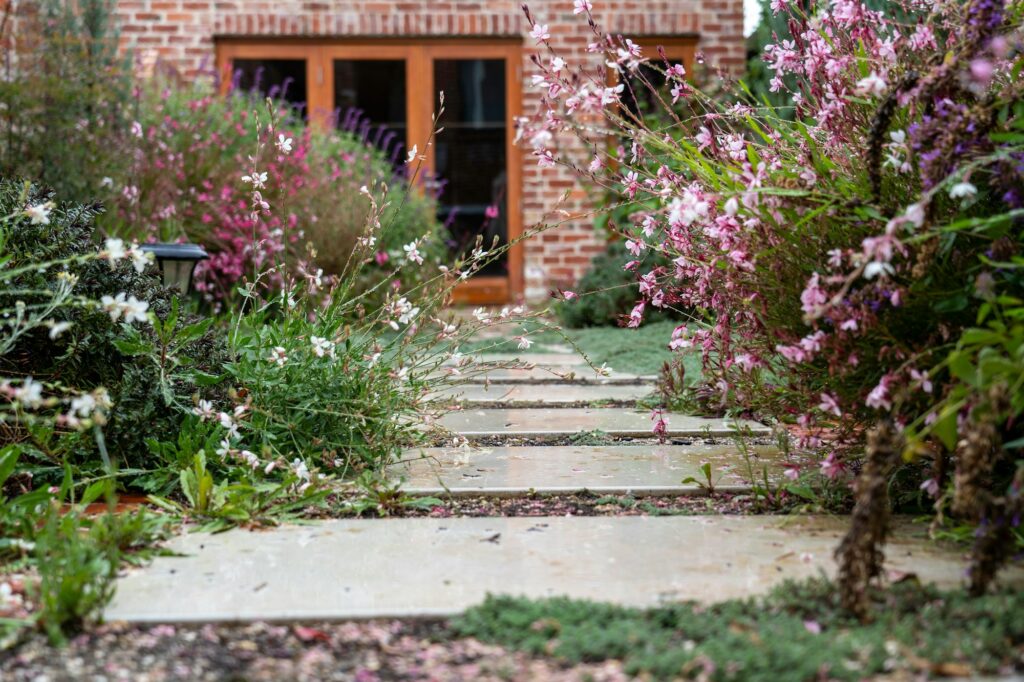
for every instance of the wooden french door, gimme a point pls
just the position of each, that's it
(395, 86)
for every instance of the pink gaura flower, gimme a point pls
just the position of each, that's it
(540, 33)
(921, 380)
(832, 467)
(829, 404)
(879, 398)
(660, 428)
(636, 316)
(931, 486)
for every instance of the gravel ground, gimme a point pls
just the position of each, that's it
(362, 652)
(585, 504)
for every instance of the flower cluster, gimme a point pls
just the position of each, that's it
(763, 209)
(839, 248)
(281, 205)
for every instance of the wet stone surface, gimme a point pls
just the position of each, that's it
(526, 422)
(424, 567)
(611, 469)
(524, 395)
(554, 374)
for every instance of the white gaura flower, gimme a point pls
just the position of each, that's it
(301, 471)
(30, 393)
(322, 347)
(915, 214)
(404, 311)
(140, 258)
(540, 32)
(83, 405)
(204, 410)
(58, 328)
(876, 268)
(872, 85)
(407, 316)
(113, 250)
(225, 448)
(256, 179)
(278, 356)
(284, 144)
(962, 190)
(133, 309)
(40, 213)
(524, 342)
(229, 423)
(412, 154)
(412, 252)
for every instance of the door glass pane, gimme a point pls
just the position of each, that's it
(278, 78)
(640, 100)
(369, 99)
(470, 153)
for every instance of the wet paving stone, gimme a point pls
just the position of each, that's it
(611, 469)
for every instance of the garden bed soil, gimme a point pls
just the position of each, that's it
(374, 651)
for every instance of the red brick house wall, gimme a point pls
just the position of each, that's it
(184, 32)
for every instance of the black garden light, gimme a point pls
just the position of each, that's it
(177, 262)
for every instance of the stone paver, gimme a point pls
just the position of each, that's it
(562, 422)
(552, 374)
(435, 567)
(618, 469)
(559, 359)
(544, 394)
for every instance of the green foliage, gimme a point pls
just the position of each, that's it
(74, 555)
(197, 146)
(606, 292)
(918, 629)
(150, 372)
(65, 94)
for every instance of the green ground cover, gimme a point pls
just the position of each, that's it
(798, 632)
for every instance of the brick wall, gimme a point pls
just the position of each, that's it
(183, 32)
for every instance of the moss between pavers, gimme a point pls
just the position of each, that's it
(798, 632)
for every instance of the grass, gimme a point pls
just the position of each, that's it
(635, 351)
(797, 632)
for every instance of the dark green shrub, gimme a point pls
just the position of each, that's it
(606, 293)
(95, 351)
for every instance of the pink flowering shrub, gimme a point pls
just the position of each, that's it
(836, 249)
(192, 179)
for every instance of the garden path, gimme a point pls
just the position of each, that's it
(545, 444)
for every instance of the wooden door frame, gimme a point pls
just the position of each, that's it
(418, 55)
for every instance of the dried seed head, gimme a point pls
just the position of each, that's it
(860, 553)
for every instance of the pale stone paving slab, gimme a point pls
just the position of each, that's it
(558, 359)
(636, 469)
(553, 374)
(561, 422)
(544, 394)
(437, 567)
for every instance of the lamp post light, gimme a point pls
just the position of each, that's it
(177, 262)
